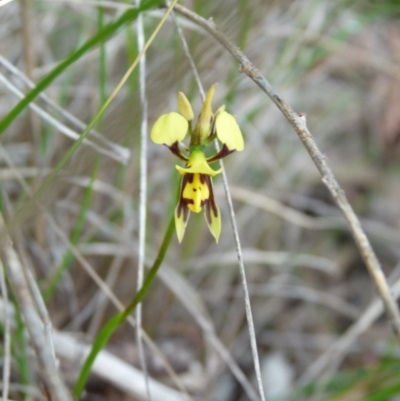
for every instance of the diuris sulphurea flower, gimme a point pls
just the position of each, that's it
(196, 189)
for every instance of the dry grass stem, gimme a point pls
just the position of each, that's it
(142, 194)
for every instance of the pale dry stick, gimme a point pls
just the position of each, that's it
(142, 193)
(49, 373)
(275, 258)
(57, 124)
(7, 338)
(298, 122)
(122, 153)
(249, 315)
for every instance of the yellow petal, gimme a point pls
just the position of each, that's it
(198, 164)
(228, 131)
(203, 125)
(196, 192)
(184, 107)
(215, 224)
(169, 128)
(212, 214)
(181, 219)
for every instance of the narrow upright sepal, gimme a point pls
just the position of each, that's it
(184, 107)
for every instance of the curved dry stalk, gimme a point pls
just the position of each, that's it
(298, 122)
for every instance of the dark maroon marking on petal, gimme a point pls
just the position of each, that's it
(187, 178)
(212, 205)
(182, 208)
(207, 210)
(185, 213)
(208, 203)
(182, 203)
(190, 177)
(174, 148)
(203, 179)
(194, 190)
(221, 154)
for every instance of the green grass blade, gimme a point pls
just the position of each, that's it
(107, 31)
(109, 328)
(19, 344)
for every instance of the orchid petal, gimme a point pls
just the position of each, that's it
(212, 213)
(169, 128)
(228, 131)
(198, 164)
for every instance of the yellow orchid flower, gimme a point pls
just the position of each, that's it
(196, 188)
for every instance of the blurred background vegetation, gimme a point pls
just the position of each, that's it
(336, 61)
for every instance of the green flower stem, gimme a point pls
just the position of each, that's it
(120, 317)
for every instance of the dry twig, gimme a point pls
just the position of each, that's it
(298, 122)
